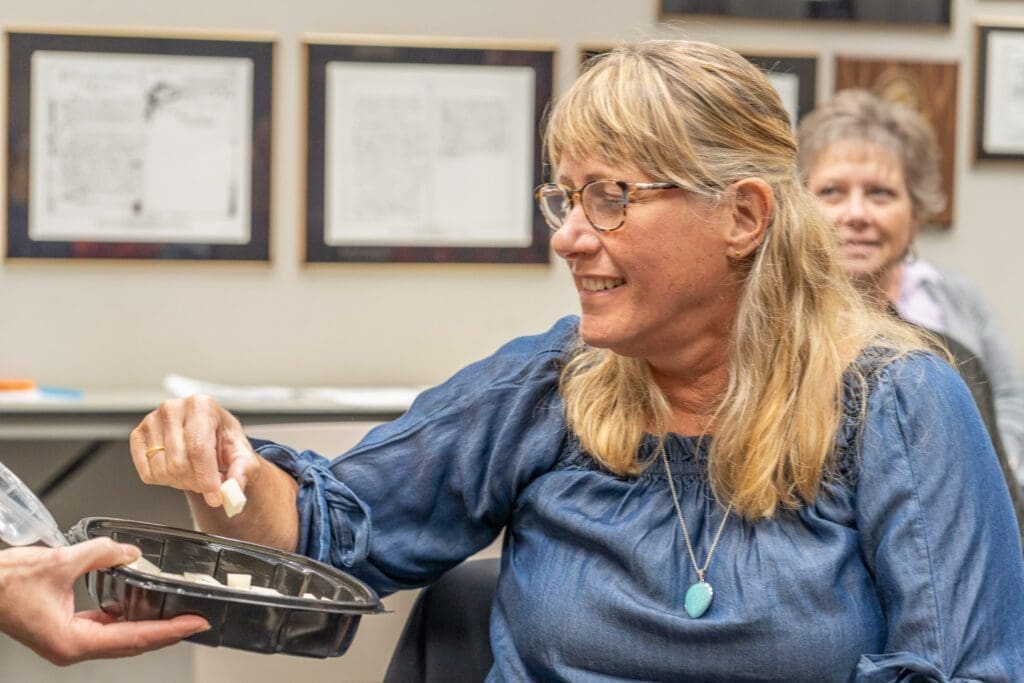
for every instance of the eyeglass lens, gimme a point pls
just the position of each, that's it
(604, 203)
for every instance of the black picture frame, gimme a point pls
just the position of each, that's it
(803, 67)
(991, 143)
(345, 52)
(181, 229)
(919, 12)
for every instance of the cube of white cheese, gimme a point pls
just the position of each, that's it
(141, 564)
(232, 497)
(241, 581)
(204, 579)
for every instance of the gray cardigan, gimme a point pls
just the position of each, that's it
(970, 321)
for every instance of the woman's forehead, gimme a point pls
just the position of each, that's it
(582, 170)
(859, 152)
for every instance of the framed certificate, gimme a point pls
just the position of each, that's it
(421, 152)
(999, 100)
(139, 147)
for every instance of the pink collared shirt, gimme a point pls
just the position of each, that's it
(915, 302)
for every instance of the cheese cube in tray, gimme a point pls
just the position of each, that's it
(255, 597)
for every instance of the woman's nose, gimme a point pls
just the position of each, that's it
(854, 210)
(576, 236)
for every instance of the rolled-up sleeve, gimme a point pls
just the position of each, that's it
(938, 532)
(333, 522)
(420, 494)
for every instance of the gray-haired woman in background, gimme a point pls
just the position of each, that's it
(874, 167)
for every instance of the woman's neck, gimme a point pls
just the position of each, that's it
(890, 284)
(694, 391)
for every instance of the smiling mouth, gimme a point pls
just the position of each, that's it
(860, 244)
(600, 284)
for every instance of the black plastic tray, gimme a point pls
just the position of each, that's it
(242, 620)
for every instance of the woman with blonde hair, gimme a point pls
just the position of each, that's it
(727, 467)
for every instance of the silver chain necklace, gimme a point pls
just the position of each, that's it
(698, 595)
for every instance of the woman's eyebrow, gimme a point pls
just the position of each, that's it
(589, 178)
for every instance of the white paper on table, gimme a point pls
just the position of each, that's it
(186, 386)
(381, 398)
(21, 396)
(393, 399)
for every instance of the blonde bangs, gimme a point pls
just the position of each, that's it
(621, 112)
(689, 113)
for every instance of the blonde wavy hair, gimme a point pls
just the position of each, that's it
(701, 116)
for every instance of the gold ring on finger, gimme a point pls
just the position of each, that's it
(150, 452)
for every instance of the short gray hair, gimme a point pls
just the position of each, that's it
(862, 115)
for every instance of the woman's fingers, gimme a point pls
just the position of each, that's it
(93, 637)
(138, 444)
(204, 426)
(242, 462)
(96, 553)
(179, 445)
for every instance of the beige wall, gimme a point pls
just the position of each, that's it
(127, 324)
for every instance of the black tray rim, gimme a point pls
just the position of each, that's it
(373, 605)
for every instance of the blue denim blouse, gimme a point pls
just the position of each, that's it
(908, 563)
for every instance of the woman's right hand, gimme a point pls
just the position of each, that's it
(193, 444)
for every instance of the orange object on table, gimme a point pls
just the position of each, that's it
(16, 384)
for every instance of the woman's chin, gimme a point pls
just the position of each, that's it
(599, 338)
(597, 334)
(596, 341)
(863, 271)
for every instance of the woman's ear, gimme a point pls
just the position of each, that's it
(753, 205)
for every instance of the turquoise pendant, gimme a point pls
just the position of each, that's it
(698, 599)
